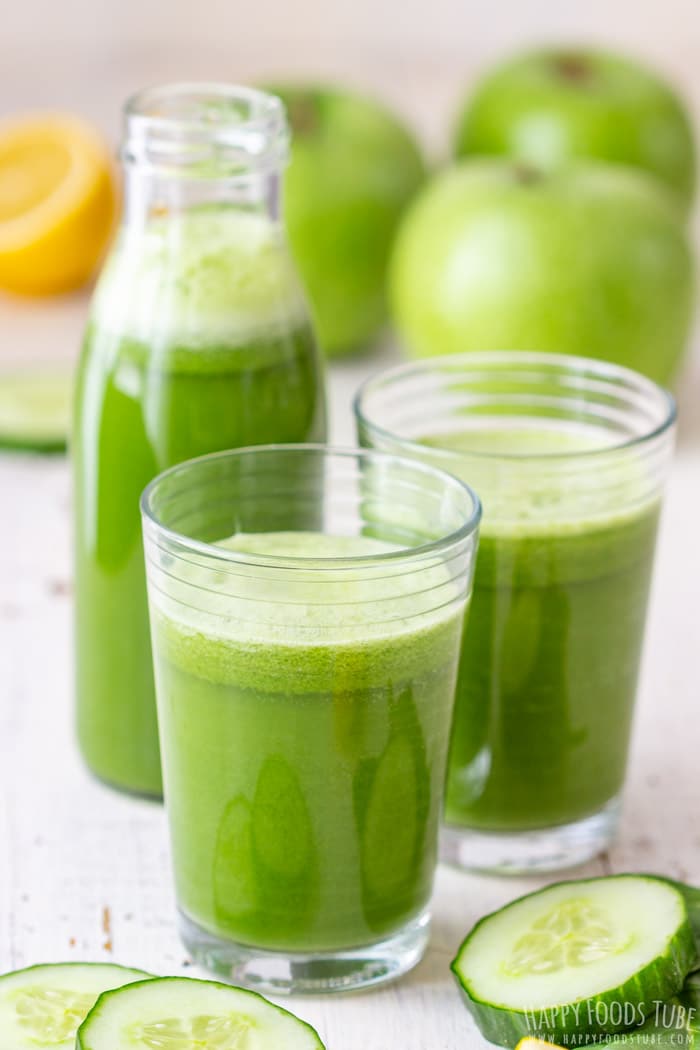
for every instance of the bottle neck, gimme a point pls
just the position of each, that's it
(192, 145)
(149, 194)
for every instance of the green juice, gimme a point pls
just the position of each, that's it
(198, 341)
(305, 750)
(550, 655)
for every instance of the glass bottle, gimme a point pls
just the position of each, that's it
(199, 339)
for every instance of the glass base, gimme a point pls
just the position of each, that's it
(530, 852)
(280, 973)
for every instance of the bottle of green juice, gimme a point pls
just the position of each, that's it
(199, 339)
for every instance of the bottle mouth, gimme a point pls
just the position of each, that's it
(205, 130)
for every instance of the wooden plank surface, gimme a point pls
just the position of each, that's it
(84, 872)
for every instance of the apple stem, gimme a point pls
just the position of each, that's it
(526, 174)
(303, 113)
(573, 67)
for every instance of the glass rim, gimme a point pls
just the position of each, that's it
(579, 365)
(444, 543)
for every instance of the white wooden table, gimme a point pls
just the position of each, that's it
(84, 872)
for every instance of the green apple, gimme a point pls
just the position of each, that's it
(591, 260)
(550, 106)
(353, 170)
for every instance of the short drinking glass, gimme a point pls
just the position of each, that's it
(568, 456)
(306, 610)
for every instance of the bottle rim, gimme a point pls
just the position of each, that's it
(205, 129)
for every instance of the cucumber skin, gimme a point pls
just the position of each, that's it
(38, 446)
(81, 1045)
(691, 895)
(506, 1027)
(78, 963)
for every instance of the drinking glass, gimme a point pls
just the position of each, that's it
(568, 456)
(306, 610)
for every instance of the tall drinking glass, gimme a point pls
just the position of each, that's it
(568, 456)
(306, 611)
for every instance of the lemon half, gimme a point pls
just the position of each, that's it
(58, 202)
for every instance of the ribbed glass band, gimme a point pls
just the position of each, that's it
(605, 422)
(426, 523)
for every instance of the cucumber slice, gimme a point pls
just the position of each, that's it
(673, 1024)
(181, 1013)
(41, 1007)
(577, 958)
(35, 409)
